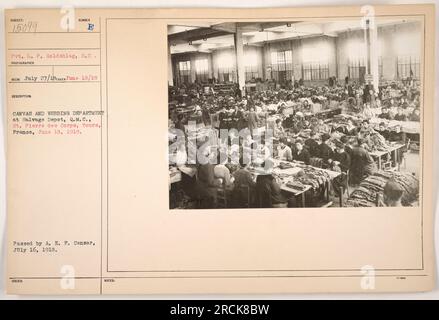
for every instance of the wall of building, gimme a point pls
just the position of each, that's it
(192, 57)
(218, 58)
(393, 41)
(400, 40)
(306, 50)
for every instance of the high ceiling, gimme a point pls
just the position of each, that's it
(206, 37)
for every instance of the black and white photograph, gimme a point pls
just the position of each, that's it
(293, 114)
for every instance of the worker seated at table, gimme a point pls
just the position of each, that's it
(348, 145)
(415, 115)
(268, 191)
(400, 116)
(341, 159)
(325, 151)
(382, 130)
(284, 151)
(300, 153)
(321, 127)
(366, 129)
(243, 191)
(398, 136)
(391, 195)
(385, 114)
(207, 185)
(350, 129)
(312, 145)
(362, 164)
(341, 163)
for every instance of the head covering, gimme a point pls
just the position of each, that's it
(393, 190)
(344, 139)
(339, 144)
(325, 136)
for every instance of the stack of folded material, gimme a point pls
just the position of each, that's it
(313, 177)
(316, 162)
(378, 142)
(285, 165)
(296, 185)
(366, 194)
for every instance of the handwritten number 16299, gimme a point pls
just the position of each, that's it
(30, 26)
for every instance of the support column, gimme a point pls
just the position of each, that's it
(372, 68)
(170, 71)
(192, 68)
(374, 57)
(239, 52)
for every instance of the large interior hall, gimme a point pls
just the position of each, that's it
(316, 113)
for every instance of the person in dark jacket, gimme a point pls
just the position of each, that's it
(347, 145)
(205, 115)
(400, 116)
(341, 163)
(244, 185)
(237, 118)
(391, 195)
(181, 121)
(341, 158)
(415, 115)
(300, 153)
(268, 190)
(385, 114)
(397, 135)
(383, 131)
(362, 164)
(325, 151)
(312, 145)
(225, 118)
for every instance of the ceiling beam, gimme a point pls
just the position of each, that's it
(194, 35)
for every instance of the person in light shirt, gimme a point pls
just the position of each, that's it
(284, 151)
